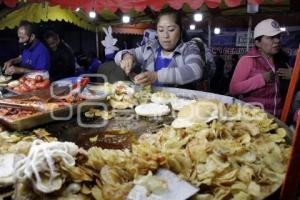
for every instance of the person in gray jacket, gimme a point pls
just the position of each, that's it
(166, 62)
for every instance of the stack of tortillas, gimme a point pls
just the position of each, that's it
(152, 110)
(200, 111)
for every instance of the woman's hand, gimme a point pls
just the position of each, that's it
(146, 78)
(127, 63)
(285, 73)
(269, 77)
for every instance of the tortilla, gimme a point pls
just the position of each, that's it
(152, 110)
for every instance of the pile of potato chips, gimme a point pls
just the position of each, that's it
(237, 159)
(241, 158)
(19, 143)
(122, 96)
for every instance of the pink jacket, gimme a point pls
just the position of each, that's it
(248, 82)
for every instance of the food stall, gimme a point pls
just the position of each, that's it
(121, 141)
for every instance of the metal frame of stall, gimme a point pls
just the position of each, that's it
(290, 187)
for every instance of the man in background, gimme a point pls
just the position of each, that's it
(33, 53)
(62, 58)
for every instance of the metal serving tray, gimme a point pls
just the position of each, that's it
(38, 118)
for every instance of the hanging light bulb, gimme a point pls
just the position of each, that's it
(126, 19)
(77, 9)
(192, 27)
(252, 8)
(92, 14)
(217, 30)
(198, 17)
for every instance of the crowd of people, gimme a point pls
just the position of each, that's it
(261, 76)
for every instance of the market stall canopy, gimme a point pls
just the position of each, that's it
(138, 5)
(37, 13)
(109, 12)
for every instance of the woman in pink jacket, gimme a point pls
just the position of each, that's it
(260, 72)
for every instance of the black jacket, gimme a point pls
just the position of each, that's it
(62, 62)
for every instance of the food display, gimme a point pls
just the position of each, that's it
(227, 151)
(15, 113)
(200, 111)
(162, 97)
(27, 84)
(27, 111)
(178, 103)
(121, 139)
(122, 96)
(33, 103)
(4, 79)
(93, 112)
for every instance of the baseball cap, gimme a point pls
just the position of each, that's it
(267, 27)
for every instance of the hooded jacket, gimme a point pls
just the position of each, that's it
(249, 83)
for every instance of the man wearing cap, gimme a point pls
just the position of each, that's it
(260, 75)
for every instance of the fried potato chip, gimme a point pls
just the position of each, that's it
(278, 136)
(162, 97)
(245, 174)
(85, 189)
(97, 193)
(114, 175)
(241, 196)
(200, 111)
(153, 184)
(239, 186)
(254, 189)
(227, 178)
(116, 192)
(121, 104)
(203, 197)
(221, 193)
(76, 173)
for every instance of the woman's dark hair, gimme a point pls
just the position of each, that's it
(258, 38)
(170, 11)
(176, 14)
(280, 59)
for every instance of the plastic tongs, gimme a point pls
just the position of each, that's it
(79, 86)
(23, 107)
(74, 91)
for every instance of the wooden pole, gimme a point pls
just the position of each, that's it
(290, 185)
(291, 90)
